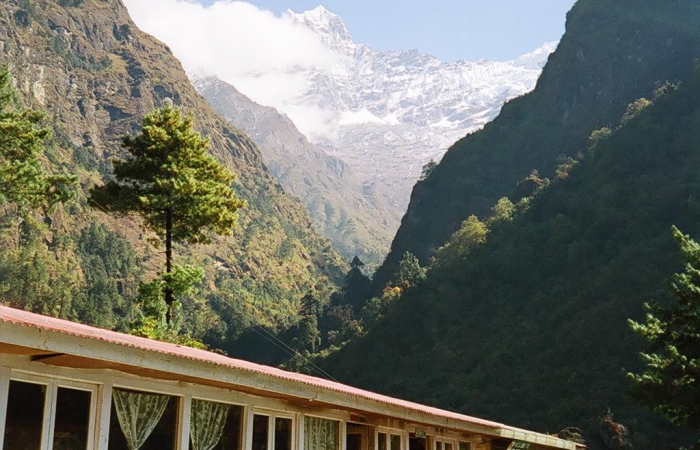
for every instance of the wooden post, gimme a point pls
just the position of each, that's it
(183, 430)
(104, 410)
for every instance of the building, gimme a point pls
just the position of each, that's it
(67, 386)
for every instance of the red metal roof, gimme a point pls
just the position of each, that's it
(24, 318)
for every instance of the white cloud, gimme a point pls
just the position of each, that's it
(247, 47)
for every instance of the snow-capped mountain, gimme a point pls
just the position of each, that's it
(387, 113)
(380, 115)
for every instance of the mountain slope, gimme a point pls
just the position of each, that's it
(96, 74)
(610, 55)
(530, 328)
(387, 113)
(357, 220)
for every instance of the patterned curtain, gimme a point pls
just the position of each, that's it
(138, 414)
(321, 434)
(207, 423)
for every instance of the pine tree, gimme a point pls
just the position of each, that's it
(356, 286)
(670, 383)
(22, 179)
(181, 192)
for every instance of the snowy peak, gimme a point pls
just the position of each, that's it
(387, 113)
(330, 27)
(536, 59)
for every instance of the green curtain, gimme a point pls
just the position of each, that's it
(207, 423)
(138, 414)
(321, 434)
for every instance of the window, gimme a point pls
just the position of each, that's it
(72, 424)
(25, 415)
(395, 442)
(143, 421)
(321, 434)
(443, 444)
(283, 433)
(215, 426)
(260, 432)
(465, 445)
(381, 441)
(388, 441)
(47, 415)
(272, 432)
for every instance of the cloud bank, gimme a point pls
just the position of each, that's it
(260, 54)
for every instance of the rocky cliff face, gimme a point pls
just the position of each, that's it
(96, 74)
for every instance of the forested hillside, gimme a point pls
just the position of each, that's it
(611, 54)
(95, 74)
(530, 327)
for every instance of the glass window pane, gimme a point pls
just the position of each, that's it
(25, 414)
(321, 434)
(448, 446)
(464, 446)
(283, 434)
(382, 441)
(143, 409)
(260, 429)
(395, 442)
(438, 445)
(72, 421)
(416, 443)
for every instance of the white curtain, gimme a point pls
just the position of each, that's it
(138, 414)
(207, 423)
(320, 434)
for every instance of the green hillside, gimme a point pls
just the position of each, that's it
(530, 327)
(96, 74)
(611, 54)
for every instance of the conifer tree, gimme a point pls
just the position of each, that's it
(356, 286)
(182, 193)
(670, 383)
(22, 179)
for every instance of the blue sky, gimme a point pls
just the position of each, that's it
(449, 29)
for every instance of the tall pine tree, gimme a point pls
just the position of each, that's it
(182, 193)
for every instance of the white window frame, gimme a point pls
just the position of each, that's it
(403, 435)
(48, 422)
(444, 440)
(271, 415)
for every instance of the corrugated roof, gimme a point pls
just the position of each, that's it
(54, 325)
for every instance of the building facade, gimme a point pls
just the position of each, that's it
(67, 386)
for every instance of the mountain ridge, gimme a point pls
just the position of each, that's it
(583, 87)
(96, 74)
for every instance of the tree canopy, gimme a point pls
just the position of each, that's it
(670, 383)
(23, 181)
(182, 193)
